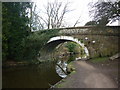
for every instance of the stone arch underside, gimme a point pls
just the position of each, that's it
(55, 41)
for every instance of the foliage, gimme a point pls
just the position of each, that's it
(71, 58)
(15, 27)
(35, 22)
(34, 42)
(91, 23)
(100, 59)
(103, 12)
(71, 46)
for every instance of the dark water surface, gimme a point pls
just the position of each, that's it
(33, 76)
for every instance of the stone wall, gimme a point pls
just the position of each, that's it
(100, 41)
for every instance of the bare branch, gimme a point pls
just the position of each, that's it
(103, 12)
(77, 21)
(55, 13)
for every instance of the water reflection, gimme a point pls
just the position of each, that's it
(61, 67)
(35, 76)
(63, 61)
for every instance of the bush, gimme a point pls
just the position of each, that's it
(71, 46)
(34, 42)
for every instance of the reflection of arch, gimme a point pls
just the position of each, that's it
(55, 41)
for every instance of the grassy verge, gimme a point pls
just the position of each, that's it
(71, 70)
(99, 59)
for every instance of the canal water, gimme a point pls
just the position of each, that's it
(36, 76)
(43, 75)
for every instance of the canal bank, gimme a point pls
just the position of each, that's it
(90, 74)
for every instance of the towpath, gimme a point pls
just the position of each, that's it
(88, 76)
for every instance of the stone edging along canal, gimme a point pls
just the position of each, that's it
(71, 70)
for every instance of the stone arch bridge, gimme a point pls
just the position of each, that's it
(97, 41)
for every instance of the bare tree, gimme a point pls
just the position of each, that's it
(35, 22)
(77, 21)
(53, 16)
(55, 13)
(105, 11)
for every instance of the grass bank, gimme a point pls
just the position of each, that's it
(71, 70)
(99, 59)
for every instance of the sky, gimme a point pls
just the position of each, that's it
(80, 8)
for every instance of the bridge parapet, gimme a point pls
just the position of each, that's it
(91, 31)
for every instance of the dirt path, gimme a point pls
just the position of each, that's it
(87, 76)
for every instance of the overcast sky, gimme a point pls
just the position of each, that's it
(79, 7)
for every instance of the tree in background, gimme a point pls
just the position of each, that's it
(71, 46)
(51, 17)
(35, 21)
(54, 14)
(103, 12)
(15, 28)
(91, 23)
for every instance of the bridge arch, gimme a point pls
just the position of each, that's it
(55, 41)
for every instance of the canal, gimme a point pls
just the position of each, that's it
(35, 76)
(42, 75)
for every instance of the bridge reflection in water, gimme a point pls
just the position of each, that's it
(34, 76)
(61, 65)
